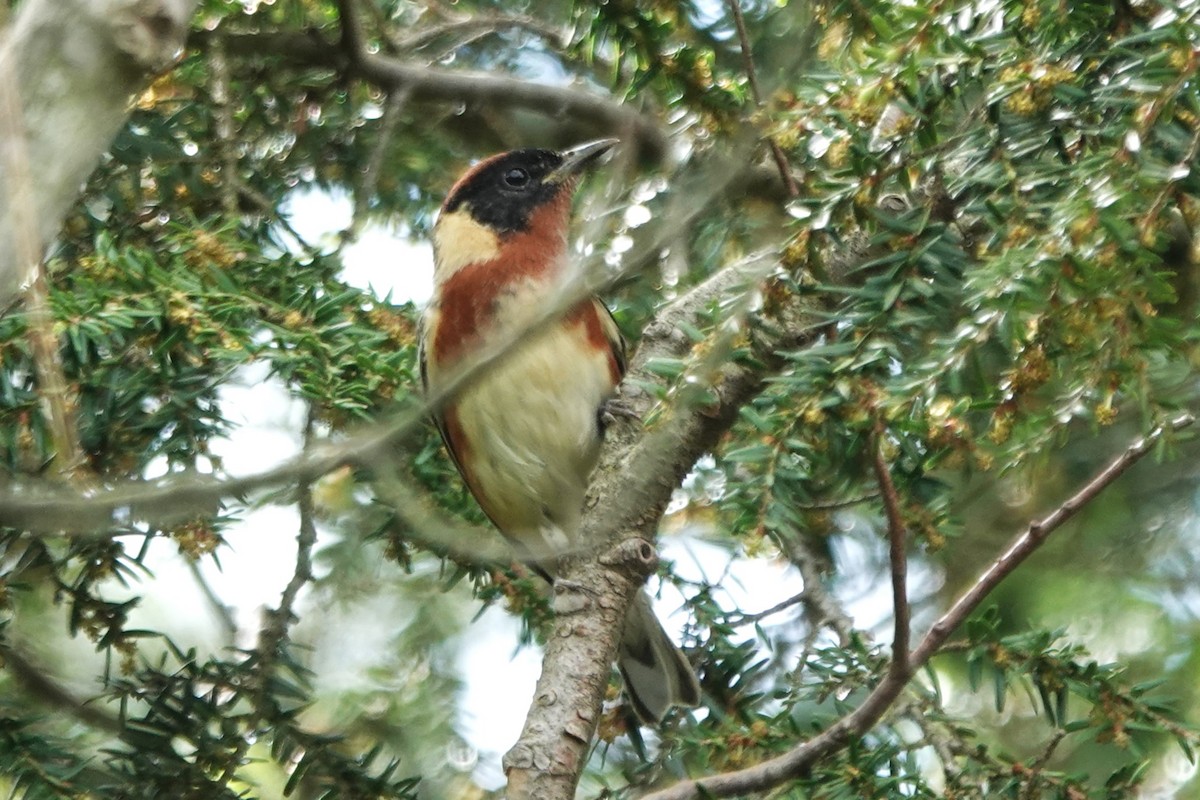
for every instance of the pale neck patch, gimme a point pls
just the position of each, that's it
(458, 240)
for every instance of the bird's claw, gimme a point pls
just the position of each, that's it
(615, 408)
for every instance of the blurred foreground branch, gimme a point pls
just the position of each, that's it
(76, 63)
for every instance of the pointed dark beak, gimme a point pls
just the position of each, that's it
(579, 158)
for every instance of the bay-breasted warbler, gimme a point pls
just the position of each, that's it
(526, 432)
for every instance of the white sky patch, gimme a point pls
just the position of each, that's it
(260, 556)
(386, 263)
(266, 420)
(498, 683)
(382, 259)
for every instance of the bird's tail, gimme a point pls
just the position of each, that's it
(657, 674)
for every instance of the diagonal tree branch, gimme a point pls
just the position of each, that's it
(776, 771)
(40, 506)
(273, 637)
(476, 24)
(49, 692)
(897, 557)
(350, 58)
(822, 607)
(1035, 535)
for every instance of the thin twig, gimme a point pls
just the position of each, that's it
(943, 737)
(824, 610)
(745, 618)
(1035, 768)
(223, 112)
(350, 57)
(223, 612)
(1033, 537)
(503, 93)
(481, 24)
(365, 190)
(781, 163)
(51, 693)
(836, 505)
(776, 771)
(264, 204)
(1006, 768)
(275, 632)
(897, 555)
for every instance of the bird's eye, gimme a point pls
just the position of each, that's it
(516, 177)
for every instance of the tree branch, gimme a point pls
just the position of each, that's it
(431, 84)
(1033, 537)
(51, 693)
(223, 114)
(739, 618)
(823, 608)
(781, 163)
(57, 400)
(477, 24)
(40, 506)
(897, 557)
(638, 471)
(273, 637)
(351, 57)
(776, 771)
(223, 613)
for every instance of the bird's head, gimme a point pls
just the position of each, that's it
(511, 204)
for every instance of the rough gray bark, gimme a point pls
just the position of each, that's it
(67, 71)
(639, 469)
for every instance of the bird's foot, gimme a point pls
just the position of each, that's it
(613, 409)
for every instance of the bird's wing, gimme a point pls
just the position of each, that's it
(446, 424)
(611, 332)
(439, 418)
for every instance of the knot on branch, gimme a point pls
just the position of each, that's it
(523, 757)
(634, 556)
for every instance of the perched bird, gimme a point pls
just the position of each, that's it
(526, 433)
